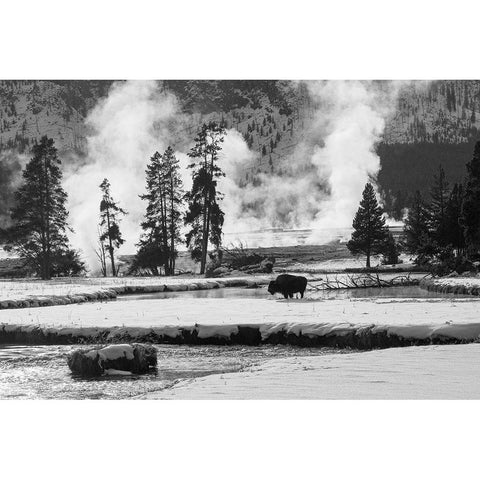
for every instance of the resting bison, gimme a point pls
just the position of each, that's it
(287, 285)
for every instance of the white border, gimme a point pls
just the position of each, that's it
(371, 39)
(238, 440)
(248, 39)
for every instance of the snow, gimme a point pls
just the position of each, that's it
(112, 352)
(358, 336)
(14, 294)
(178, 311)
(457, 281)
(219, 331)
(452, 318)
(112, 371)
(433, 372)
(339, 264)
(172, 332)
(71, 290)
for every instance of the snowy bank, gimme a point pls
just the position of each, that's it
(41, 294)
(433, 372)
(457, 285)
(337, 335)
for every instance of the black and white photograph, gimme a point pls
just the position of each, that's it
(235, 236)
(240, 239)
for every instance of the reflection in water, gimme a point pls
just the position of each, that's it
(41, 372)
(262, 293)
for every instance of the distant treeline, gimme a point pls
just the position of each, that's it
(407, 168)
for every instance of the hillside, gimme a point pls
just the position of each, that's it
(433, 123)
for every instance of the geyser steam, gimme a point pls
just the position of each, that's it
(354, 122)
(321, 183)
(318, 187)
(129, 126)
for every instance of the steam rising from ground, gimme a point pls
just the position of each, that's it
(319, 186)
(321, 183)
(355, 120)
(129, 126)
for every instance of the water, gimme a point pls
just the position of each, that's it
(262, 293)
(41, 372)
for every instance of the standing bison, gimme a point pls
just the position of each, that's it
(287, 285)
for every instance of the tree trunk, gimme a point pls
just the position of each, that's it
(172, 226)
(112, 261)
(368, 259)
(163, 219)
(204, 229)
(110, 246)
(46, 226)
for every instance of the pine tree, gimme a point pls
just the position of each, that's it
(163, 213)
(370, 233)
(470, 216)
(390, 252)
(39, 231)
(417, 225)
(153, 245)
(453, 230)
(204, 214)
(110, 223)
(174, 198)
(440, 195)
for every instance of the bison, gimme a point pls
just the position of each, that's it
(287, 285)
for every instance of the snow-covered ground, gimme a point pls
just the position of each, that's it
(340, 264)
(19, 289)
(433, 372)
(23, 294)
(261, 309)
(56, 291)
(469, 282)
(12, 290)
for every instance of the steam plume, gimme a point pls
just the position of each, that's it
(318, 187)
(128, 127)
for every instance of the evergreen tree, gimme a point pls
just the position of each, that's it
(153, 245)
(417, 225)
(39, 216)
(440, 195)
(470, 216)
(390, 252)
(174, 200)
(370, 233)
(204, 214)
(110, 223)
(453, 230)
(162, 218)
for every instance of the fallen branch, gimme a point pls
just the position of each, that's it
(364, 280)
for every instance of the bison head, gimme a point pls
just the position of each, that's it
(272, 287)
